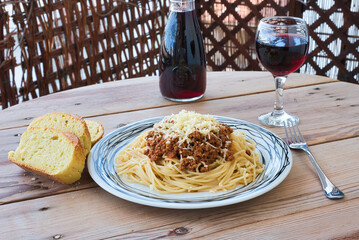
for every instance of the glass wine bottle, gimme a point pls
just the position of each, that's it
(182, 64)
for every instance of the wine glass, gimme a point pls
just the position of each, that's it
(282, 47)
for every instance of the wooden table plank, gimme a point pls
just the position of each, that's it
(315, 129)
(299, 196)
(318, 223)
(328, 222)
(142, 93)
(335, 100)
(329, 112)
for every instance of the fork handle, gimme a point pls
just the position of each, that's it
(330, 190)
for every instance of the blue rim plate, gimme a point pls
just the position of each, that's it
(275, 155)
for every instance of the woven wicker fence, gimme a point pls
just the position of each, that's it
(67, 44)
(8, 90)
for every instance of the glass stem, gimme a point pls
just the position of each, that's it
(279, 89)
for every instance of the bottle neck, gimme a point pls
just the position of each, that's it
(182, 5)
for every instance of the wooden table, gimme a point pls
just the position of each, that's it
(32, 207)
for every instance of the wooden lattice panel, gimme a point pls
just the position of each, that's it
(334, 32)
(70, 43)
(229, 28)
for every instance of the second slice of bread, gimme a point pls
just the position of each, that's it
(50, 153)
(96, 130)
(66, 122)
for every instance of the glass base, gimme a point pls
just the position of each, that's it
(277, 119)
(184, 99)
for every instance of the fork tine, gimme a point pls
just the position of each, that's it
(300, 135)
(294, 132)
(291, 131)
(286, 133)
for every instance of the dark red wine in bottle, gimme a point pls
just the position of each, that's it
(182, 63)
(282, 53)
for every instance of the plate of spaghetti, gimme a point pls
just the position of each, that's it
(189, 160)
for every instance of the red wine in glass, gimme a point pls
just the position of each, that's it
(282, 53)
(282, 47)
(182, 63)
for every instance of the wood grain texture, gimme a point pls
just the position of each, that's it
(296, 209)
(141, 93)
(332, 100)
(298, 200)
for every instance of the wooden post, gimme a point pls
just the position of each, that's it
(2, 74)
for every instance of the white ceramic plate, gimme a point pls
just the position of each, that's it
(275, 155)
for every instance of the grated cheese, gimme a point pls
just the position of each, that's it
(184, 123)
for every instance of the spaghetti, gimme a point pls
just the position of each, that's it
(235, 164)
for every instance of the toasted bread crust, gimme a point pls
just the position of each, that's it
(85, 140)
(67, 175)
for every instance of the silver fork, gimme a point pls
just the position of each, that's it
(295, 140)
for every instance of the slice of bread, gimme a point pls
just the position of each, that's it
(66, 122)
(50, 153)
(96, 130)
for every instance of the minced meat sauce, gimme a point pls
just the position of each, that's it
(198, 153)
